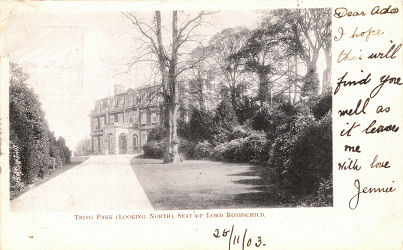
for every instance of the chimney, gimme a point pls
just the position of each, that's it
(118, 89)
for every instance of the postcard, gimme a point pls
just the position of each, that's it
(201, 125)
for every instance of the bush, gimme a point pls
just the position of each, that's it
(203, 150)
(249, 149)
(186, 149)
(157, 134)
(16, 183)
(325, 193)
(321, 105)
(34, 150)
(154, 149)
(200, 126)
(275, 120)
(310, 159)
(253, 148)
(228, 151)
(240, 132)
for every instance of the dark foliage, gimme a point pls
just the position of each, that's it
(242, 149)
(203, 150)
(311, 83)
(35, 151)
(275, 120)
(200, 126)
(187, 149)
(311, 157)
(321, 105)
(154, 149)
(157, 134)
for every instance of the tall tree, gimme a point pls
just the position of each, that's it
(29, 132)
(305, 32)
(170, 64)
(199, 79)
(229, 70)
(263, 54)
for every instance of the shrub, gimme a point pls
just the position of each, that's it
(311, 83)
(248, 146)
(325, 193)
(223, 123)
(154, 149)
(310, 160)
(38, 150)
(157, 134)
(186, 149)
(240, 132)
(200, 126)
(275, 120)
(16, 183)
(228, 151)
(321, 105)
(203, 150)
(253, 148)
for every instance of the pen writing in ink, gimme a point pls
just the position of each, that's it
(234, 239)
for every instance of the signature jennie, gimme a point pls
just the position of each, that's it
(353, 203)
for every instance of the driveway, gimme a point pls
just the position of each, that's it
(101, 182)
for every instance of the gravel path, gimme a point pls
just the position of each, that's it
(101, 182)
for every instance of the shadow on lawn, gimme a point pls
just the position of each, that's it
(202, 184)
(261, 195)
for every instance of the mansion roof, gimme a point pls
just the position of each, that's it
(146, 96)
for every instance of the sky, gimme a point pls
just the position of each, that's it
(73, 59)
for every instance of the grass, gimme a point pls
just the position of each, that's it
(202, 184)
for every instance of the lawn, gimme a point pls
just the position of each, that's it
(200, 184)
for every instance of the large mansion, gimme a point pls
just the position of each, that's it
(120, 124)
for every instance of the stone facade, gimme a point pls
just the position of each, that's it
(120, 124)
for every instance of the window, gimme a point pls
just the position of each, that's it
(102, 122)
(111, 119)
(143, 139)
(104, 104)
(136, 117)
(101, 144)
(110, 142)
(148, 116)
(95, 124)
(135, 139)
(131, 117)
(153, 117)
(142, 117)
(120, 118)
(95, 143)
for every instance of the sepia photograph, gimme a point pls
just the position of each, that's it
(170, 110)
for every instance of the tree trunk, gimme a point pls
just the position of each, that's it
(296, 80)
(289, 81)
(233, 96)
(172, 146)
(326, 73)
(200, 82)
(264, 92)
